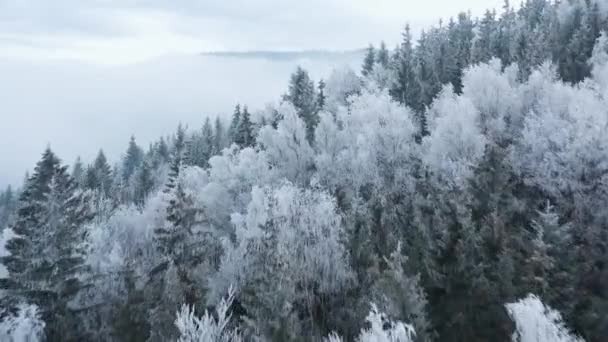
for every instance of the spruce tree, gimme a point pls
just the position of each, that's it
(177, 158)
(78, 172)
(369, 61)
(132, 159)
(46, 258)
(321, 98)
(219, 137)
(162, 151)
(383, 55)
(406, 89)
(244, 136)
(144, 183)
(301, 94)
(103, 172)
(234, 124)
(208, 141)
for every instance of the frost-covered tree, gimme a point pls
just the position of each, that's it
(132, 159)
(244, 135)
(536, 322)
(287, 147)
(381, 330)
(302, 95)
(368, 61)
(287, 260)
(25, 326)
(209, 327)
(98, 176)
(406, 89)
(46, 260)
(382, 55)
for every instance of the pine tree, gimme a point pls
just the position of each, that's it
(321, 97)
(483, 47)
(103, 172)
(244, 136)
(162, 151)
(219, 140)
(234, 124)
(369, 61)
(78, 172)
(383, 55)
(208, 141)
(132, 159)
(8, 204)
(177, 156)
(301, 94)
(406, 89)
(180, 247)
(144, 183)
(47, 255)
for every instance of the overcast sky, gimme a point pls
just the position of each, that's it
(85, 74)
(123, 31)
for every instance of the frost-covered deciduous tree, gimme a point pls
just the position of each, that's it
(24, 326)
(341, 84)
(536, 322)
(381, 329)
(455, 144)
(209, 327)
(287, 148)
(401, 297)
(287, 259)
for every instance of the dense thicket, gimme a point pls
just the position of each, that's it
(450, 177)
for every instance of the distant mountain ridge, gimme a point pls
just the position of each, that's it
(288, 55)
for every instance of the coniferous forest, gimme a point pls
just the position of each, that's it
(455, 188)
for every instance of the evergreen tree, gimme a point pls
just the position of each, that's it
(406, 89)
(244, 136)
(180, 247)
(200, 145)
(144, 183)
(208, 140)
(78, 172)
(177, 157)
(219, 137)
(383, 55)
(483, 47)
(369, 61)
(8, 205)
(234, 124)
(103, 172)
(321, 97)
(46, 258)
(301, 94)
(132, 159)
(163, 151)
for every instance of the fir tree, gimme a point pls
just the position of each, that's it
(46, 258)
(78, 172)
(177, 157)
(301, 94)
(162, 151)
(219, 137)
(369, 61)
(406, 88)
(132, 159)
(144, 183)
(103, 172)
(321, 97)
(234, 124)
(383, 56)
(244, 136)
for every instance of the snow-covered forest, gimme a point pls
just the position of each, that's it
(455, 188)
